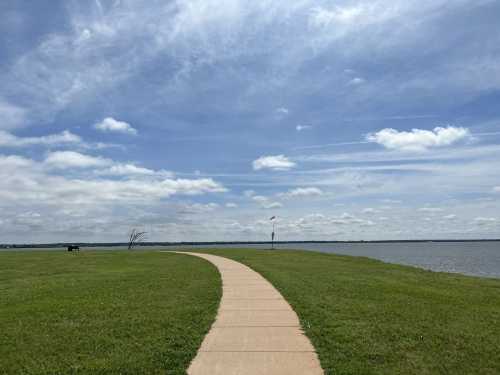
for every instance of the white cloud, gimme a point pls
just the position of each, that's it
(29, 218)
(418, 139)
(356, 81)
(249, 193)
(391, 201)
(259, 198)
(28, 183)
(470, 153)
(109, 124)
(321, 222)
(129, 169)
(272, 205)
(450, 217)
(231, 205)
(496, 189)
(70, 68)
(302, 192)
(299, 128)
(282, 111)
(194, 187)
(321, 17)
(265, 203)
(197, 208)
(11, 116)
(369, 211)
(72, 159)
(485, 220)
(12, 162)
(430, 209)
(276, 162)
(65, 137)
(75, 63)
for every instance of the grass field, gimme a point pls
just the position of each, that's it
(113, 312)
(147, 312)
(368, 317)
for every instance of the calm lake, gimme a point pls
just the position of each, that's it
(470, 258)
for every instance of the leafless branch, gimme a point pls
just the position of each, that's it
(136, 237)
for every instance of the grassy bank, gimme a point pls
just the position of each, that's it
(368, 317)
(103, 312)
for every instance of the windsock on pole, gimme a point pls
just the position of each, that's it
(272, 233)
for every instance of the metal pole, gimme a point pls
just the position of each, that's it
(273, 219)
(272, 237)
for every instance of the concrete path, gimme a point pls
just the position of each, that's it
(256, 332)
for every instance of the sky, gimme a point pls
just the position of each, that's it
(198, 120)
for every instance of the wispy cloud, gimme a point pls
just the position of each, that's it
(11, 116)
(129, 169)
(63, 138)
(323, 17)
(431, 209)
(197, 208)
(302, 192)
(266, 203)
(326, 145)
(485, 220)
(276, 68)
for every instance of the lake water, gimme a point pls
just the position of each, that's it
(469, 258)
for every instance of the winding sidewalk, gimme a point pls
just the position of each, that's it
(256, 332)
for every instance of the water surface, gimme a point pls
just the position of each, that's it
(469, 258)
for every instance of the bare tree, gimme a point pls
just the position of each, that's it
(136, 237)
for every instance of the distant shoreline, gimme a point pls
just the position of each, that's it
(115, 244)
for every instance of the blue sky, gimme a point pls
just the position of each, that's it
(199, 120)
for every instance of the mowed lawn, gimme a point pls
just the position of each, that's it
(368, 317)
(107, 312)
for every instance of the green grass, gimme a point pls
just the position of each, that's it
(122, 312)
(113, 312)
(368, 317)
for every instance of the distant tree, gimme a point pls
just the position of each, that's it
(135, 237)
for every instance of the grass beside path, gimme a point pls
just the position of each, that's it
(102, 312)
(369, 317)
